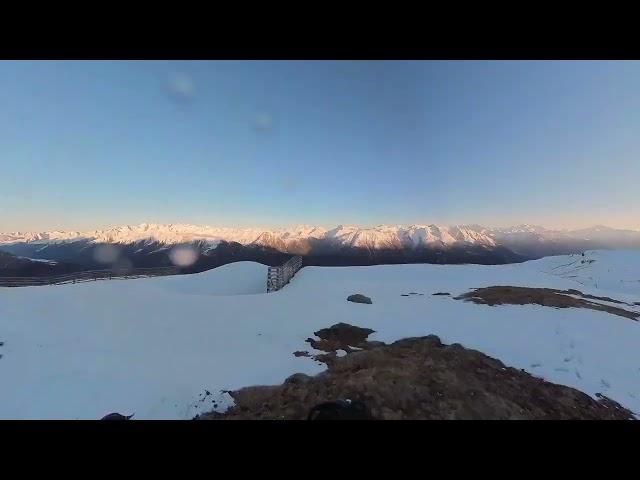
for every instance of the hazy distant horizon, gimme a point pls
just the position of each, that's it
(90, 144)
(326, 226)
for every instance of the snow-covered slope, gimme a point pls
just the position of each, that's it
(153, 347)
(612, 273)
(240, 278)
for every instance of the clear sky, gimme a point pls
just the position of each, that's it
(88, 145)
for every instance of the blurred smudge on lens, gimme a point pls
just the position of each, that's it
(263, 122)
(106, 254)
(289, 184)
(183, 256)
(181, 88)
(122, 266)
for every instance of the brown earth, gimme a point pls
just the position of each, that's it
(548, 297)
(417, 378)
(340, 336)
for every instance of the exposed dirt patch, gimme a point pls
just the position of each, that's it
(301, 353)
(420, 378)
(548, 297)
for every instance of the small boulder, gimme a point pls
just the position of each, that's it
(359, 298)
(116, 416)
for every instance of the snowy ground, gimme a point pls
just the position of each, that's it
(165, 347)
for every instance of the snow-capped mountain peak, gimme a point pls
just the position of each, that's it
(524, 239)
(382, 236)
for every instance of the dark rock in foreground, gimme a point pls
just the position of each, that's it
(116, 416)
(359, 298)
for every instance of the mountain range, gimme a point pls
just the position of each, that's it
(147, 245)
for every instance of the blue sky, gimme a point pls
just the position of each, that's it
(88, 145)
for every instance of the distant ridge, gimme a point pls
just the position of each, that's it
(151, 245)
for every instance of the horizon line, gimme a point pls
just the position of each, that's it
(308, 225)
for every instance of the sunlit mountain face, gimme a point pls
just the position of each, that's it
(196, 248)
